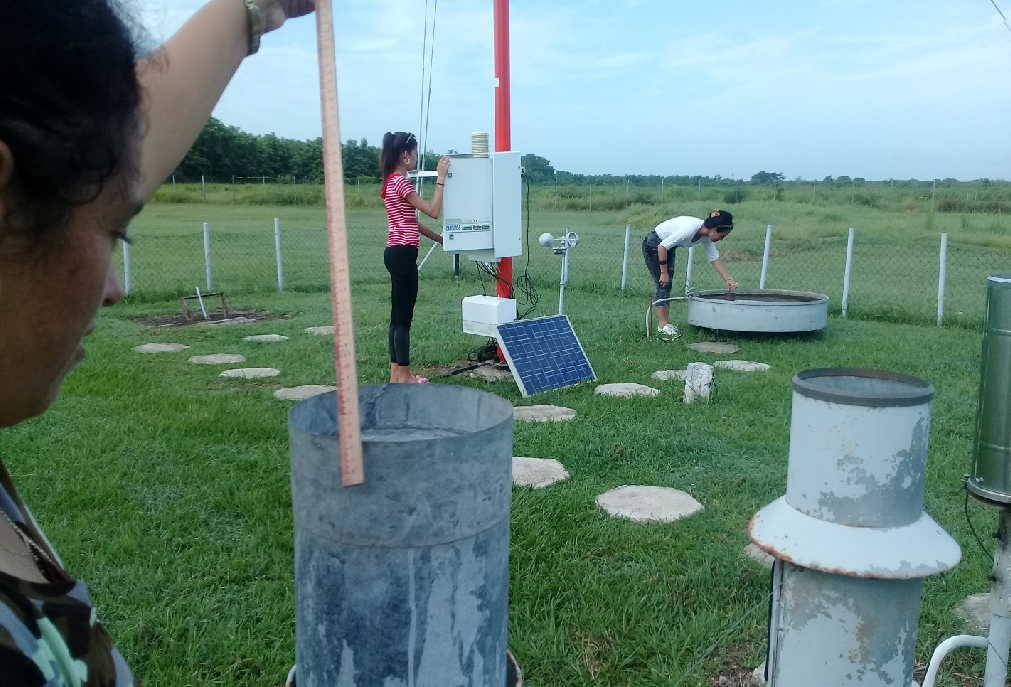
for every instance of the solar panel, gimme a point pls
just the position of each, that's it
(544, 353)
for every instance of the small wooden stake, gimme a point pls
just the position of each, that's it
(352, 471)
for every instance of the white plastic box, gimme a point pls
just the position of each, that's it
(483, 314)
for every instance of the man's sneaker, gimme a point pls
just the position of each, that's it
(668, 332)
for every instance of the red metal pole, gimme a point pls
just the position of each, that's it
(503, 132)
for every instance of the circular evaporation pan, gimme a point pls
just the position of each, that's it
(759, 310)
(860, 386)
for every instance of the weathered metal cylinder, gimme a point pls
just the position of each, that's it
(759, 310)
(851, 539)
(991, 471)
(404, 579)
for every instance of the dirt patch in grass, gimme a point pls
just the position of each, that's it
(734, 670)
(179, 319)
(595, 650)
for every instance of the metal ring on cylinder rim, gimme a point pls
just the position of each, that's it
(881, 388)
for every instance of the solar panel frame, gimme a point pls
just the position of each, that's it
(544, 353)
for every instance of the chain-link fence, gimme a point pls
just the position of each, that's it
(246, 250)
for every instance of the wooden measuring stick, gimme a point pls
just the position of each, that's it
(352, 471)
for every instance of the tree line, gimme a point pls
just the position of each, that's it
(224, 152)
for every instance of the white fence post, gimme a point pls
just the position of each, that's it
(688, 270)
(207, 257)
(127, 276)
(942, 271)
(765, 256)
(846, 274)
(203, 187)
(624, 259)
(277, 252)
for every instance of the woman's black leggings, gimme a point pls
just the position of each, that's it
(401, 263)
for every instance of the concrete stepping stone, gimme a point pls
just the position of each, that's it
(975, 611)
(319, 331)
(300, 393)
(669, 375)
(625, 390)
(714, 347)
(489, 373)
(160, 348)
(251, 372)
(752, 552)
(741, 366)
(266, 338)
(543, 413)
(218, 359)
(537, 473)
(648, 504)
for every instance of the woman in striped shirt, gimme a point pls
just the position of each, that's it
(400, 153)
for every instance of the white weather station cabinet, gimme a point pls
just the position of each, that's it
(482, 222)
(481, 206)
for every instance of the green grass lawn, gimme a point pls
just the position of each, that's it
(166, 486)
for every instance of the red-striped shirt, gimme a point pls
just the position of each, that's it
(401, 217)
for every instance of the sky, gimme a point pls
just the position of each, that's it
(808, 88)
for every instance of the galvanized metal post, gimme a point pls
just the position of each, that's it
(624, 257)
(942, 270)
(456, 265)
(851, 537)
(421, 264)
(127, 276)
(999, 637)
(203, 187)
(846, 274)
(277, 254)
(564, 279)
(207, 258)
(688, 270)
(403, 580)
(765, 256)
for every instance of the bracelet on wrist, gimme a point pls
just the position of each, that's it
(257, 24)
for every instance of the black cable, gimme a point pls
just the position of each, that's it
(989, 554)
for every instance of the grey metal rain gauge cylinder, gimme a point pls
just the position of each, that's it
(990, 480)
(403, 580)
(851, 539)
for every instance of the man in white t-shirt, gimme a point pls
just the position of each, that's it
(658, 250)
